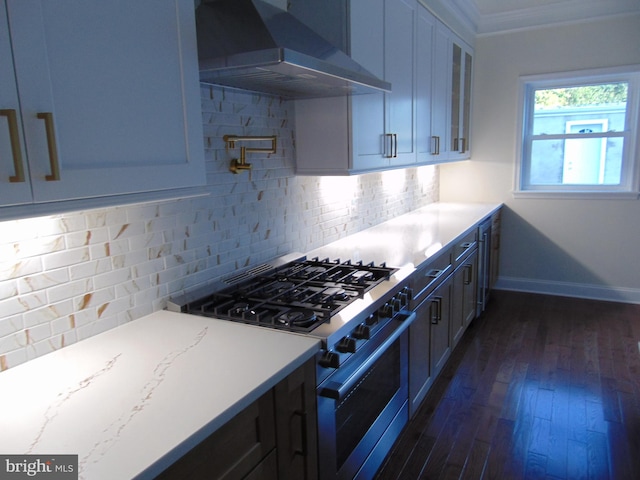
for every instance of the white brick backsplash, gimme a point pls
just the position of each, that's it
(62, 325)
(44, 280)
(83, 317)
(11, 324)
(94, 328)
(107, 217)
(113, 278)
(50, 344)
(127, 289)
(88, 269)
(71, 289)
(13, 341)
(160, 224)
(126, 230)
(17, 268)
(68, 277)
(86, 237)
(38, 333)
(48, 313)
(8, 289)
(66, 258)
(150, 268)
(111, 308)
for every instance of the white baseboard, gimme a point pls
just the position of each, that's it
(567, 289)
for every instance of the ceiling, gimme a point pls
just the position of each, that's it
(486, 17)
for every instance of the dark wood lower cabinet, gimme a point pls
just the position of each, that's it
(296, 425)
(273, 438)
(267, 469)
(234, 450)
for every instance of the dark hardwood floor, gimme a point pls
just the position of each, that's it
(539, 387)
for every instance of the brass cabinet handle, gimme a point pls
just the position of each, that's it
(14, 138)
(51, 143)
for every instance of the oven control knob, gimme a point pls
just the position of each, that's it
(405, 297)
(346, 345)
(386, 311)
(362, 332)
(397, 304)
(329, 360)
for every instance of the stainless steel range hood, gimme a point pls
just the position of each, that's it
(256, 46)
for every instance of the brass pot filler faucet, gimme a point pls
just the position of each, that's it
(238, 165)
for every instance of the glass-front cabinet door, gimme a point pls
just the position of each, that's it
(461, 71)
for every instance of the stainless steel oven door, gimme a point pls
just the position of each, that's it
(362, 407)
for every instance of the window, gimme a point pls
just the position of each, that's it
(579, 134)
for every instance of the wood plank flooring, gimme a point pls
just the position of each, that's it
(540, 387)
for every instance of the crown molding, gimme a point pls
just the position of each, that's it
(459, 15)
(554, 14)
(468, 16)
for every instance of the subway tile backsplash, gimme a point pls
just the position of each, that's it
(68, 277)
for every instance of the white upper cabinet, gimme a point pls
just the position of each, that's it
(441, 94)
(108, 98)
(461, 70)
(425, 76)
(401, 26)
(15, 185)
(424, 120)
(363, 133)
(451, 105)
(365, 151)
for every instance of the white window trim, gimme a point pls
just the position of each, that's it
(630, 191)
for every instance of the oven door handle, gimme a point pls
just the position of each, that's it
(337, 391)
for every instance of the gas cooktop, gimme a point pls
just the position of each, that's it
(298, 296)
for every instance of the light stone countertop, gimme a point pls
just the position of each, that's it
(132, 400)
(412, 239)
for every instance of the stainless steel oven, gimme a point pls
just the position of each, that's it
(363, 404)
(360, 313)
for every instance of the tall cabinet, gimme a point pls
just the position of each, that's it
(461, 70)
(451, 98)
(97, 100)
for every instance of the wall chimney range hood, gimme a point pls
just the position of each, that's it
(253, 45)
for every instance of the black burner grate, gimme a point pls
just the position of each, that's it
(298, 296)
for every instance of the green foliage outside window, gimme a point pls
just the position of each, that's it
(593, 95)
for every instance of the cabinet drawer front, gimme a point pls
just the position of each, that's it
(267, 469)
(430, 276)
(234, 450)
(464, 246)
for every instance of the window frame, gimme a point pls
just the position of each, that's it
(630, 182)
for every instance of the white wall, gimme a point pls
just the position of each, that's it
(583, 248)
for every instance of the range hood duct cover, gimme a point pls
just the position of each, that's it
(256, 46)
